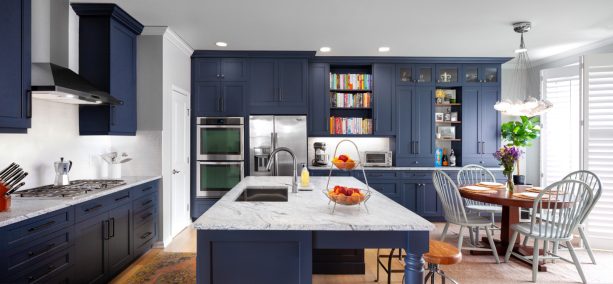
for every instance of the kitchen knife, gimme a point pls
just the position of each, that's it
(12, 190)
(7, 168)
(8, 172)
(16, 180)
(11, 176)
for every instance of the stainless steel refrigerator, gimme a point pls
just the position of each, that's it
(268, 132)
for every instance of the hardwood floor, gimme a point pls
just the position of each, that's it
(472, 269)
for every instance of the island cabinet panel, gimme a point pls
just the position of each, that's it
(15, 95)
(384, 99)
(201, 205)
(278, 86)
(338, 261)
(254, 257)
(319, 102)
(415, 133)
(481, 140)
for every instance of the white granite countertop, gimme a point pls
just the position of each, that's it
(308, 211)
(29, 207)
(404, 168)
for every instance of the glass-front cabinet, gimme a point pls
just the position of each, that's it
(409, 74)
(447, 74)
(481, 74)
(214, 179)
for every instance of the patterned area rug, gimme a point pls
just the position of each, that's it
(167, 267)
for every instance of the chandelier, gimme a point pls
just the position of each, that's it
(523, 80)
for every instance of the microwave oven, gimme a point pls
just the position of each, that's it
(378, 158)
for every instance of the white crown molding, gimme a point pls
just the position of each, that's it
(171, 36)
(579, 51)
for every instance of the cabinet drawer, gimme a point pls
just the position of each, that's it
(417, 175)
(45, 271)
(144, 202)
(33, 229)
(102, 204)
(38, 250)
(147, 188)
(145, 232)
(414, 162)
(144, 216)
(381, 174)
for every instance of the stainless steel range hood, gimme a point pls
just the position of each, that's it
(60, 84)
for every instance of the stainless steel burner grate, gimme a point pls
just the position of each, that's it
(74, 189)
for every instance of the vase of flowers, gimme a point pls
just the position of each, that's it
(508, 156)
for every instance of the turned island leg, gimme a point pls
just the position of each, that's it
(417, 244)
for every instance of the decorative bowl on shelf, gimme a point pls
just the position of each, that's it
(347, 195)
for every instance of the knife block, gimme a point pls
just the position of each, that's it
(5, 201)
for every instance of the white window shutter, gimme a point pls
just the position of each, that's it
(598, 142)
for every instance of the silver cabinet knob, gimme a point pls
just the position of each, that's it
(174, 172)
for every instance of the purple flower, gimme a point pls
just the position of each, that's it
(508, 156)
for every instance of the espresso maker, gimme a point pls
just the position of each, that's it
(61, 172)
(321, 158)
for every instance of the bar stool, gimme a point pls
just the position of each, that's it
(440, 253)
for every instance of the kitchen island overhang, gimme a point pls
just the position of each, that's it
(272, 242)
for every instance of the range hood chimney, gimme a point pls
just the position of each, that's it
(53, 81)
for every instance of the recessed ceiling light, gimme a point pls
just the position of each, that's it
(325, 49)
(384, 49)
(221, 44)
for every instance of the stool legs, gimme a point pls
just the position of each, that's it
(433, 269)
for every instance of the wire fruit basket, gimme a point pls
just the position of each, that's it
(346, 195)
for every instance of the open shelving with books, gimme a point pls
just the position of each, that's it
(448, 121)
(351, 100)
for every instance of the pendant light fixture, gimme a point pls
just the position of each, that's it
(523, 86)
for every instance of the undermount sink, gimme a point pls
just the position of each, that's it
(264, 194)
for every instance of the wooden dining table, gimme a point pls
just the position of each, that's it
(510, 215)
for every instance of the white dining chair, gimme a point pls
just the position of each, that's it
(563, 204)
(456, 214)
(472, 174)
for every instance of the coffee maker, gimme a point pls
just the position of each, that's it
(321, 158)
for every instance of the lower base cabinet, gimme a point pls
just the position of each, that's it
(201, 205)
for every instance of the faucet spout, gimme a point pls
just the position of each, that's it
(295, 178)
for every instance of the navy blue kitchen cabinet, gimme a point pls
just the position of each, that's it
(319, 102)
(219, 98)
(220, 69)
(415, 74)
(120, 253)
(278, 86)
(480, 141)
(15, 95)
(384, 100)
(107, 58)
(448, 74)
(91, 250)
(201, 205)
(481, 74)
(420, 197)
(415, 135)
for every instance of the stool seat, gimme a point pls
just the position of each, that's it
(442, 253)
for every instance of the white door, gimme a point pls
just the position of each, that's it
(180, 162)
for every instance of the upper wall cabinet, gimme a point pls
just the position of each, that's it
(278, 86)
(107, 58)
(217, 69)
(319, 104)
(415, 74)
(448, 74)
(384, 100)
(15, 64)
(481, 74)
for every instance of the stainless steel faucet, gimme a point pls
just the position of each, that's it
(271, 159)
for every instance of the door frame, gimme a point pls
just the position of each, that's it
(177, 90)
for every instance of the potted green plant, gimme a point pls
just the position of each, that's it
(521, 134)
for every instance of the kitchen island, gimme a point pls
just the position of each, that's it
(272, 242)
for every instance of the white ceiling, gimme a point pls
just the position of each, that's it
(359, 27)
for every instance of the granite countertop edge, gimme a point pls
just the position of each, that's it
(404, 168)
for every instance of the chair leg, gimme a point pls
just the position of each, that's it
(389, 266)
(444, 232)
(586, 244)
(535, 260)
(477, 235)
(377, 279)
(571, 249)
(525, 242)
(490, 239)
(471, 236)
(545, 247)
(427, 277)
(511, 245)
(460, 238)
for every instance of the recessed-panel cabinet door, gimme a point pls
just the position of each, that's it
(120, 242)
(234, 69)
(388, 188)
(262, 88)
(292, 76)
(428, 204)
(490, 125)
(10, 58)
(423, 122)
(385, 112)
(123, 79)
(409, 195)
(207, 69)
(319, 110)
(233, 102)
(471, 124)
(404, 137)
(90, 250)
(207, 99)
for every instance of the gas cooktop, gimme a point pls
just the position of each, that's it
(74, 189)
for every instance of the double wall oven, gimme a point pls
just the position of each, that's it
(220, 155)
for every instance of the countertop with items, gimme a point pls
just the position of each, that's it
(23, 208)
(308, 210)
(310, 167)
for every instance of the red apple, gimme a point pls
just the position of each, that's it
(343, 158)
(348, 191)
